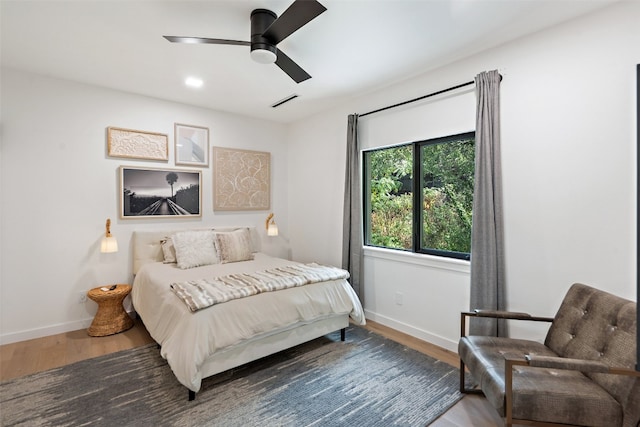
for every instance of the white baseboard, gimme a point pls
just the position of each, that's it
(62, 328)
(59, 328)
(413, 331)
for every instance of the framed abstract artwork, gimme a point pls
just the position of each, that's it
(137, 144)
(159, 193)
(191, 145)
(241, 179)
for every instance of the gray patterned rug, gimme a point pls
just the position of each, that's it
(365, 381)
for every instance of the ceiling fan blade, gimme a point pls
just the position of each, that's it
(287, 65)
(204, 40)
(298, 14)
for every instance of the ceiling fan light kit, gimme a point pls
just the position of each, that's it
(267, 30)
(263, 56)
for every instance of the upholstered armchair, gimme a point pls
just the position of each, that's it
(583, 374)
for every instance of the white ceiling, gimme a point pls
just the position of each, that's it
(352, 48)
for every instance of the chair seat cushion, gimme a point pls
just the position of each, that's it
(484, 356)
(563, 397)
(540, 394)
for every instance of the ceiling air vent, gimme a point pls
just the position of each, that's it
(282, 101)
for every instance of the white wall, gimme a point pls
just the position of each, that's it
(569, 149)
(569, 174)
(58, 187)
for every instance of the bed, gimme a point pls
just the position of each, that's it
(201, 343)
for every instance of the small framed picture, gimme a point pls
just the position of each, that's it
(159, 193)
(137, 144)
(191, 145)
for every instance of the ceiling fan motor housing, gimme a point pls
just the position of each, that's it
(262, 50)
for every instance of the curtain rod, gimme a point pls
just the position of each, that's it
(420, 98)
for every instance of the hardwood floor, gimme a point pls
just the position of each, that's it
(27, 357)
(472, 410)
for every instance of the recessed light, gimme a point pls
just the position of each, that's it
(193, 82)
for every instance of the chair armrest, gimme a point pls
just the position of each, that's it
(507, 315)
(497, 314)
(501, 314)
(566, 363)
(581, 365)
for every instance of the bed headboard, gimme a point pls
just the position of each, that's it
(146, 244)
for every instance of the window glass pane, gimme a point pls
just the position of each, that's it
(430, 215)
(389, 197)
(447, 168)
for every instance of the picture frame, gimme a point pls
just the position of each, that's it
(191, 145)
(152, 193)
(241, 180)
(137, 144)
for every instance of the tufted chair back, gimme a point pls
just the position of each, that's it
(595, 325)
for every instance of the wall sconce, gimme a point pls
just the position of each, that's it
(272, 228)
(109, 243)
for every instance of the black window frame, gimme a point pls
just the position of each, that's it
(417, 189)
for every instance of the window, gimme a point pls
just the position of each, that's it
(431, 215)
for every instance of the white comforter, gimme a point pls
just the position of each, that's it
(188, 339)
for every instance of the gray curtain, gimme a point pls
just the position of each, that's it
(487, 241)
(352, 223)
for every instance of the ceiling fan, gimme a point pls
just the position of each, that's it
(267, 30)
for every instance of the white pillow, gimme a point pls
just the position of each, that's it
(254, 237)
(194, 248)
(168, 250)
(234, 246)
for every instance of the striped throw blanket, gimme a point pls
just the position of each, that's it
(203, 293)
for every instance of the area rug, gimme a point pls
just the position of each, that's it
(367, 380)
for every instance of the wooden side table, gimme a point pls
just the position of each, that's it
(111, 317)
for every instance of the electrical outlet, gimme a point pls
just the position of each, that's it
(399, 298)
(82, 297)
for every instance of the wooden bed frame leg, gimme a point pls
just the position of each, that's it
(343, 333)
(192, 395)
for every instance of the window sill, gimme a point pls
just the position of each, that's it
(424, 260)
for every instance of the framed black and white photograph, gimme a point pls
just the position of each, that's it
(159, 193)
(191, 145)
